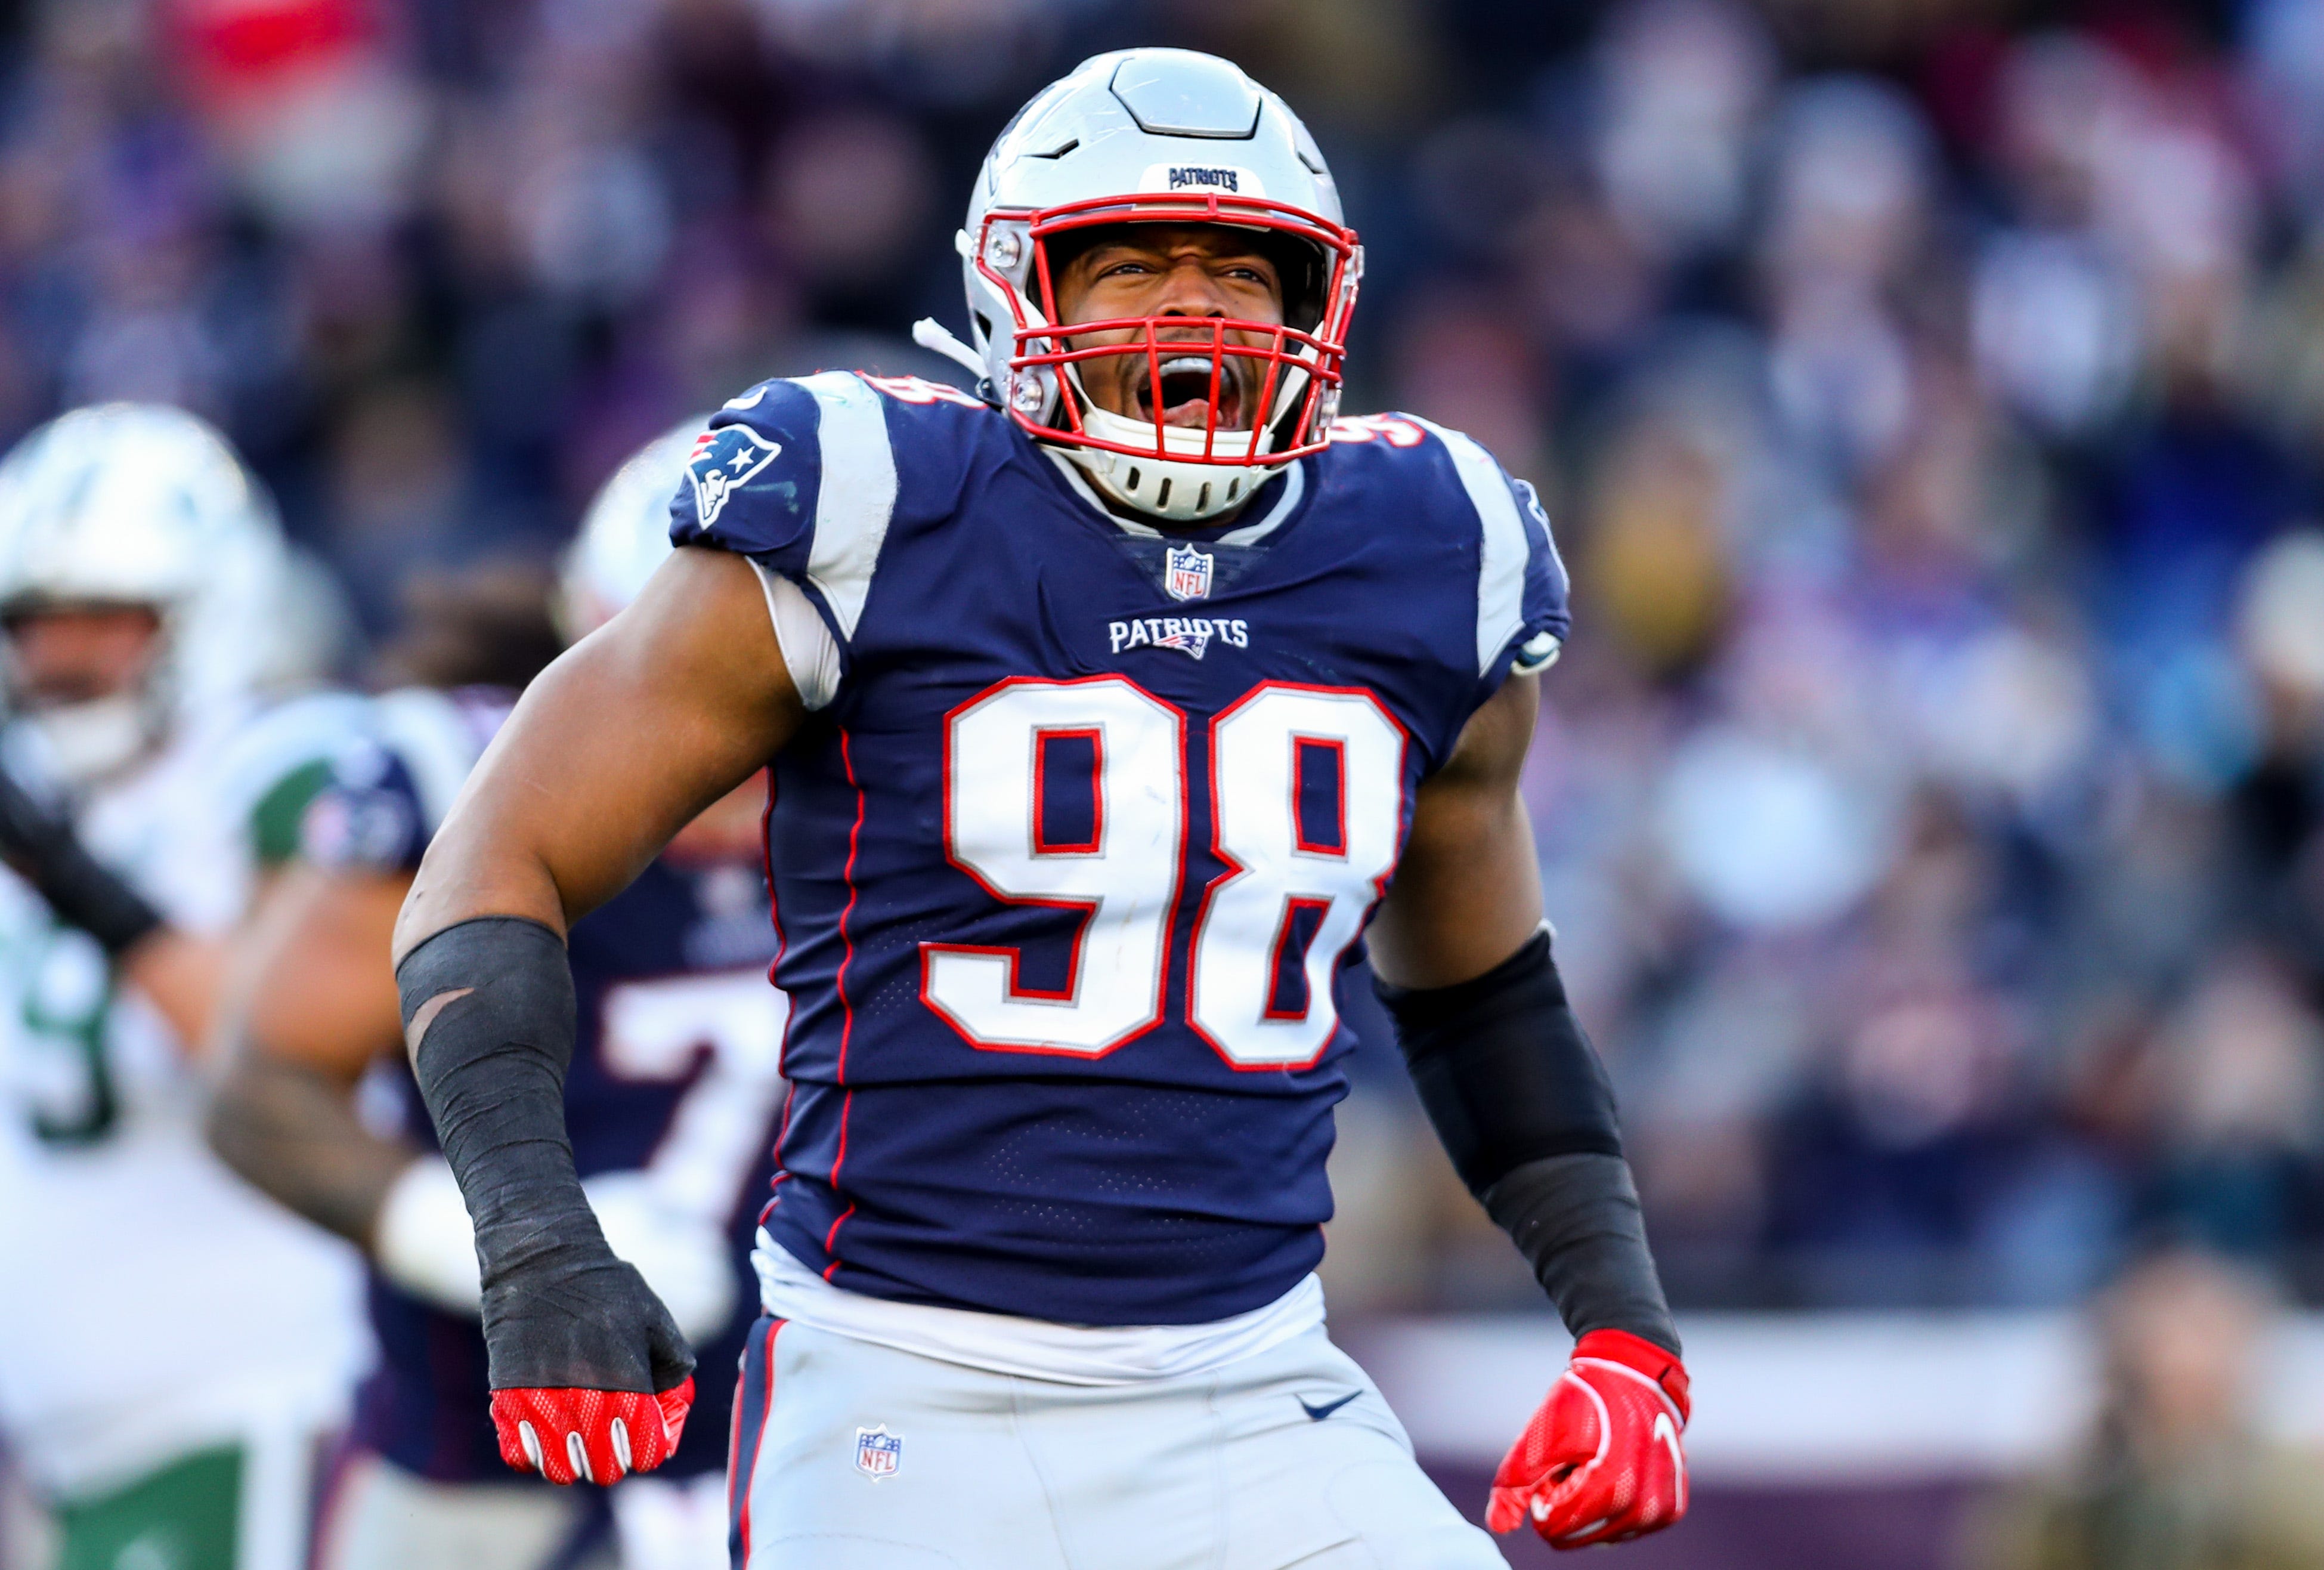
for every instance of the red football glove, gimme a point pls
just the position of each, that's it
(1601, 1461)
(589, 1436)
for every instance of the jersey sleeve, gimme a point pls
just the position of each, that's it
(799, 477)
(1522, 616)
(1539, 600)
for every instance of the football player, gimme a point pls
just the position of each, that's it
(1106, 718)
(669, 1107)
(172, 1344)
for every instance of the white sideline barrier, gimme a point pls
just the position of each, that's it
(1815, 1397)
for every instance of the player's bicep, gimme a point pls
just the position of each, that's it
(613, 749)
(1467, 893)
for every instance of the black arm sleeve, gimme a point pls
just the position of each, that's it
(47, 852)
(1525, 1110)
(492, 999)
(1576, 1220)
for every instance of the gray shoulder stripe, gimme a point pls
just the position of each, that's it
(857, 497)
(804, 642)
(1501, 560)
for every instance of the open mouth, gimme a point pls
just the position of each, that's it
(1182, 393)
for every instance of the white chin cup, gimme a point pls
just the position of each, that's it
(1182, 492)
(86, 742)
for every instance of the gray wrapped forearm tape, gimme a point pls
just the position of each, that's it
(492, 999)
(495, 999)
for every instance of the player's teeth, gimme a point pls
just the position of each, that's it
(1185, 363)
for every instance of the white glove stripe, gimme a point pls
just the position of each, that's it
(1667, 1432)
(579, 1454)
(531, 1442)
(1605, 1419)
(621, 1443)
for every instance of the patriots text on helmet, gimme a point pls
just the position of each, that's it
(1185, 177)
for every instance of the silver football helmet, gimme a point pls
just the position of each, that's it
(625, 534)
(1160, 135)
(126, 504)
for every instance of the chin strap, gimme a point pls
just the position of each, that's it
(937, 339)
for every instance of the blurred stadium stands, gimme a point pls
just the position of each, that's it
(1929, 394)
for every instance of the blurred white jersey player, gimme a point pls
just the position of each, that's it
(171, 1343)
(673, 1141)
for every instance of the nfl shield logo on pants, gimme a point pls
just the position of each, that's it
(1186, 572)
(877, 1452)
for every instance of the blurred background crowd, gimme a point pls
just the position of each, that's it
(1929, 395)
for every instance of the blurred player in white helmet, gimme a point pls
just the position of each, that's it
(670, 1106)
(172, 1344)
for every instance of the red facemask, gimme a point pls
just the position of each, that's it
(1296, 371)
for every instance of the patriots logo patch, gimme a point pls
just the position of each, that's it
(1193, 637)
(722, 462)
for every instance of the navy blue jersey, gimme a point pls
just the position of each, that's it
(673, 1075)
(1067, 867)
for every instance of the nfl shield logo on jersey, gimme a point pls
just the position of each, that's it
(722, 462)
(877, 1452)
(1186, 572)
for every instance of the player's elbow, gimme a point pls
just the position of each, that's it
(237, 1123)
(483, 861)
(260, 1120)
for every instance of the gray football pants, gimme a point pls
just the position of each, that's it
(852, 1456)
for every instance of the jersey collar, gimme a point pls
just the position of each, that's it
(1294, 487)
